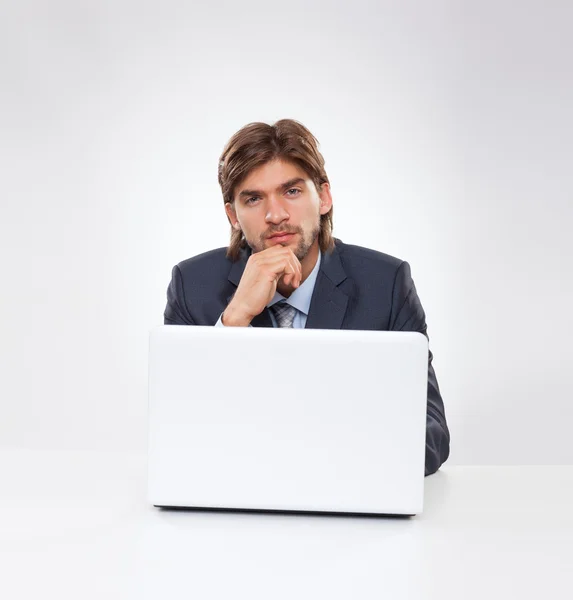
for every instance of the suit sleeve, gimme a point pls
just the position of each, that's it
(176, 311)
(408, 315)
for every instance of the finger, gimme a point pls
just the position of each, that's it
(289, 274)
(294, 278)
(297, 265)
(286, 275)
(297, 270)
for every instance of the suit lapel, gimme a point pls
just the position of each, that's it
(328, 303)
(238, 267)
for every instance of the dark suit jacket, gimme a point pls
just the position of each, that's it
(356, 288)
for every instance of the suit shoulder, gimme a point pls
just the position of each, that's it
(212, 261)
(376, 259)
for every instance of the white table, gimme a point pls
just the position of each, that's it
(76, 525)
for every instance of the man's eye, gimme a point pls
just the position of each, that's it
(296, 192)
(251, 200)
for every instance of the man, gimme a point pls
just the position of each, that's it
(283, 268)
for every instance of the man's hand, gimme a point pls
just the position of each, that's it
(259, 283)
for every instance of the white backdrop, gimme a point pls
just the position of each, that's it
(447, 132)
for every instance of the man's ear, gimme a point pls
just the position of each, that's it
(325, 198)
(232, 216)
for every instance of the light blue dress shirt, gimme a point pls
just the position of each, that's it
(300, 299)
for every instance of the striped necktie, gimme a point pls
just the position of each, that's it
(284, 313)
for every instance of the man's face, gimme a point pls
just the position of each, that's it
(279, 197)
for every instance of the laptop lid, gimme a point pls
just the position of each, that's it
(287, 419)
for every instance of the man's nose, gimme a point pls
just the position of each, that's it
(276, 212)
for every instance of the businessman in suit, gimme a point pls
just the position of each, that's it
(283, 267)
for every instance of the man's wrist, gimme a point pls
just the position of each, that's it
(233, 317)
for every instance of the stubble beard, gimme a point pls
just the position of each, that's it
(304, 245)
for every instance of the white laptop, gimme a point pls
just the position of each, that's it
(268, 419)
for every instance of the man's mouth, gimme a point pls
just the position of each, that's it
(281, 236)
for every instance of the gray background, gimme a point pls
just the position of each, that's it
(447, 133)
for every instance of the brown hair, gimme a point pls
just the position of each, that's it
(259, 143)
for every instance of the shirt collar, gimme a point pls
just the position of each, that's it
(301, 297)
